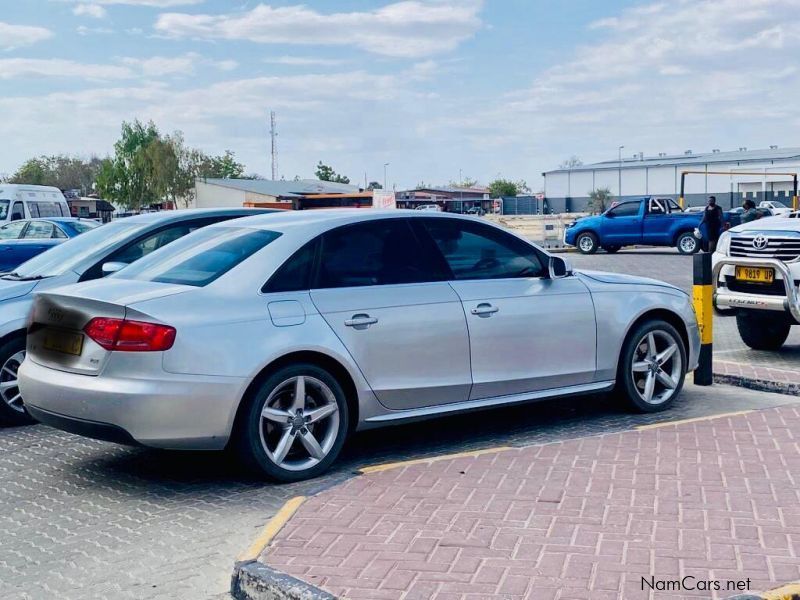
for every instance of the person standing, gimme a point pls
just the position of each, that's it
(712, 218)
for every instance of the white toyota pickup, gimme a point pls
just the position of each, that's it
(756, 271)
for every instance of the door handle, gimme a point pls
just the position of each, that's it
(484, 310)
(361, 321)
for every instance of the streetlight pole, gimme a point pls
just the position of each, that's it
(619, 183)
(385, 165)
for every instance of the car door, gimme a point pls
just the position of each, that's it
(527, 332)
(658, 222)
(394, 311)
(622, 225)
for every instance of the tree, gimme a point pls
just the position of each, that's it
(466, 182)
(502, 188)
(374, 185)
(326, 173)
(600, 199)
(572, 161)
(62, 171)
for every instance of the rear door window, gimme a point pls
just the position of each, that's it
(384, 252)
(39, 230)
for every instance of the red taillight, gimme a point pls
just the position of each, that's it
(123, 335)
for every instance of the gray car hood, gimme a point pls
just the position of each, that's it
(14, 289)
(621, 278)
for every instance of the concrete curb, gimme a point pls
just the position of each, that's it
(253, 580)
(761, 385)
(790, 591)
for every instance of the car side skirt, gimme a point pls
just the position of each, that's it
(417, 414)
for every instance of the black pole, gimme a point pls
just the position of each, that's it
(703, 291)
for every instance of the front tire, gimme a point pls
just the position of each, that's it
(294, 425)
(652, 367)
(12, 410)
(687, 243)
(587, 243)
(761, 332)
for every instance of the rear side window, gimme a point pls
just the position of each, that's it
(476, 251)
(295, 274)
(200, 258)
(384, 252)
(39, 230)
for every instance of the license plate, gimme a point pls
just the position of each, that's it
(64, 342)
(755, 274)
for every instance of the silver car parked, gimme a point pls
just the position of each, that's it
(280, 335)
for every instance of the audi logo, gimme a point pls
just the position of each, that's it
(760, 241)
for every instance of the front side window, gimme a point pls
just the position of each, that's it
(476, 251)
(12, 231)
(200, 258)
(17, 211)
(384, 252)
(39, 230)
(628, 209)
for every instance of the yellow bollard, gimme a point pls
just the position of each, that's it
(702, 295)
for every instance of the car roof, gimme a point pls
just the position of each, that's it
(318, 220)
(167, 216)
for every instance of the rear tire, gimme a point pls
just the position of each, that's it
(652, 367)
(287, 440)
(587, 243)
(612, 249)
(762, 332)
(12, 410)
(687, 243)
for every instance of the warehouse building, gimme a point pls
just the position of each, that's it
(755, 174)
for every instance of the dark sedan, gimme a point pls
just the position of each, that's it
(22, 240)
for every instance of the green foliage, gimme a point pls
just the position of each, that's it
(326, 173)
(466, 182)
(505, 188)
(62, 171)
(600, 199)
(374, 185)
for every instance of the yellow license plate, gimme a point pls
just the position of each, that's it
(755, 274)
(63, 341)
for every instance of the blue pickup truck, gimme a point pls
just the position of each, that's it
(646, 222)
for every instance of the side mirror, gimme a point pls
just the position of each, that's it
(559, 267)
(112, 267)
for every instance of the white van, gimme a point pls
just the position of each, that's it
(31, 202)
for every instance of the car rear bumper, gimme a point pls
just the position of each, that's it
(164, 411)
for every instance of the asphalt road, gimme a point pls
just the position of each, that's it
(87, 519)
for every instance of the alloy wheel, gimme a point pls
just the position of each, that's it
(299, 423)
(688, 245)
(9, 386)
(656, 367)
(586, 243)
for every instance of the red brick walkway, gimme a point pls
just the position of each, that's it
(588, 518)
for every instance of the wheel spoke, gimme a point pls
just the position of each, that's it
(320, 413)
(6, 385)
(664, 356)
(16, 400)
(649, 387)
(299, 394)
(271, 414)
(651, 346)
(283, 447)
(666, 380)
(9, 371)
(641, 366)
(312, 445)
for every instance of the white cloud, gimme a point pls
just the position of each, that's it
(185, 64)
(16, 36)
(150, 3)
(90, 10)
(11, 68)
(410, 28)
(303, 61)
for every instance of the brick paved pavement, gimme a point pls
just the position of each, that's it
(585, 518)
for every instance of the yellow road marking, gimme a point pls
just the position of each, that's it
(432, 459)
(789, 591)
(272, 528)
(694, 420)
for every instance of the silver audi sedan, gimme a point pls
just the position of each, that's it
(279, 335)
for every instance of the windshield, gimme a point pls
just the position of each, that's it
(62, 258)
(4, 209)
(201, 257)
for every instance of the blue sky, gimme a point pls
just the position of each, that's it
(488, 87)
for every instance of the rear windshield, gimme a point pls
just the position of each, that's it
(82, 226)
(200, 257)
